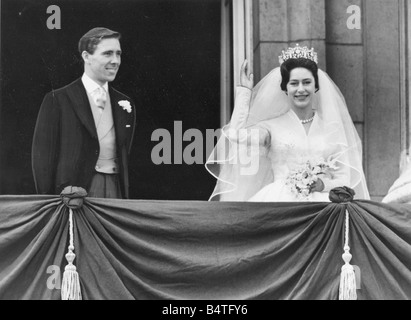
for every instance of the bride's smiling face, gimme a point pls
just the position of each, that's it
(301, 88)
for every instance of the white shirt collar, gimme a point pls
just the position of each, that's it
(91, 85)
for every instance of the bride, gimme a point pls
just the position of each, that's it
(290, 137)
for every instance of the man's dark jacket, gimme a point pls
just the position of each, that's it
(65, 144)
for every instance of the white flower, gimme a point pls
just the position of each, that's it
(316, 170)
(306, 182)
(125, 104)
(301, 179)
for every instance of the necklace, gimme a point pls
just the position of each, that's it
(304, 121)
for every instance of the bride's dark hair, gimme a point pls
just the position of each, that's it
(291, 64)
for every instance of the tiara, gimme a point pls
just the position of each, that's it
(298, 52)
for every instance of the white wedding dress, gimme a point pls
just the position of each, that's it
(284, 145)
(291, 147)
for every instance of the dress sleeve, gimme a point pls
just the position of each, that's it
(241, 108)
(237, 130)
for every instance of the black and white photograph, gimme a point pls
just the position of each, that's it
(205, 150)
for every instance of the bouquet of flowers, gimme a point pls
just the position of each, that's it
(302, 178)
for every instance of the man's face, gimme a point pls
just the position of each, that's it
(103, 64)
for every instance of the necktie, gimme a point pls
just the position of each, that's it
(100, 98)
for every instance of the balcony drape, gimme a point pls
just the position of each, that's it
(140, 249)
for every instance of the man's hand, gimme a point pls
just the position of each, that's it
(317, 186)
(246, 79)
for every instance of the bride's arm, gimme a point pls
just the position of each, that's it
(236, 130)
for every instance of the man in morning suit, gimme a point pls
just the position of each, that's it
(84, 131)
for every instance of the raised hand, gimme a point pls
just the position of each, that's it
(246, 79)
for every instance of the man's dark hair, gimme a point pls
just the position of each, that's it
(92, 38)
(291, 64)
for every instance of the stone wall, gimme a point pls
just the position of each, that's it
(281, 23)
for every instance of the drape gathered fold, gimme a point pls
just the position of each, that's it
(140, 249)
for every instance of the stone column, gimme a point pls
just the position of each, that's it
(383, 105)
(345, 57)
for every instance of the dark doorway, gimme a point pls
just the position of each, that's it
(170, 67)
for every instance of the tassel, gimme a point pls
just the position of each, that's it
(70, 287)
(348, 287)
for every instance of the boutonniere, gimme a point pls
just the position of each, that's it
(125, 104)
